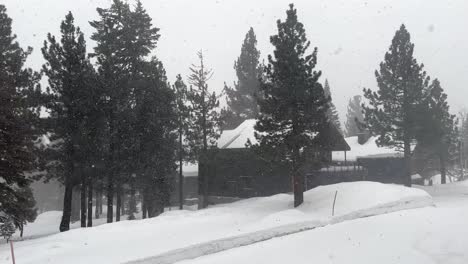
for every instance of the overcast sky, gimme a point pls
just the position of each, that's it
(351, 35)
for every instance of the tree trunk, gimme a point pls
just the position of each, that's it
(76, 204)
(143, 205)
(90, 200)
(181, 175)
(407, 161)
(119, 202)
(110, 198)
(443, 175)
(83, 205)
(67, 205)
(122, 206)
(98, 194)
(298, 183)
(132, 210)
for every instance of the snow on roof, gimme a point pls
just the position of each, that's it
(367, 149)
(237, 137)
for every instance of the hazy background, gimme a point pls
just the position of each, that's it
(351, 35)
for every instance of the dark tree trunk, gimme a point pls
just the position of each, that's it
(443, 174)
(100, 201)
(67, 205)
(90, 200)
(143, 205)
(119, 202)
(298, 184)
(98, 194)
(76, 204)
(122, 206)
(132, 204)
(181, 175)
(407, 161)
(83, 205)
(110, 198)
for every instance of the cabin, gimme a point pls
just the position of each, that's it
(234, 171)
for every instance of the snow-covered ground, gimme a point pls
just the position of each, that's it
(132, 240)
(426, 235)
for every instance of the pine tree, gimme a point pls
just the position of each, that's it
(354, 116)
(438, 128)
(156, 125)
(17, 132)
(71, 101)
(183, 115)
(124, 38)
(241, 99)
(204, 126)
(293, 105)
(332, 113)
(391, 113)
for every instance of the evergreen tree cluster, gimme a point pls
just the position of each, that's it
(409, 109)
(19, 130)
(354, 117)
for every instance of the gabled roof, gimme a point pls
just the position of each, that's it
(329, 138)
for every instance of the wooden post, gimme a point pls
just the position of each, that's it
(334, 200)
(12, 252)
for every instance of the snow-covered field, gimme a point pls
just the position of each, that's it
(426, 235)
(133, 240)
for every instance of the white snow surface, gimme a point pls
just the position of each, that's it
(428, 235)
(369, 148)
(239, 223)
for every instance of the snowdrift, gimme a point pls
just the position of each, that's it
(178, 235)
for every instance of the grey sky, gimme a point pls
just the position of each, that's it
(351, 35)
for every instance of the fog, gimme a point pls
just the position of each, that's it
(352, 36)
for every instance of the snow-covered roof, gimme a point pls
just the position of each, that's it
(236, 138)
(368, 149)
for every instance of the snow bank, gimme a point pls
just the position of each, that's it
(369, 148)
(384, 199)
(426, 235)
(185, 234)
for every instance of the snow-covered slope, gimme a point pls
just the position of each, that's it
(430, 235)
(131, 240)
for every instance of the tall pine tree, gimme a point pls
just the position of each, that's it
(70, 76)
(293, 105)
(205, 119)
(392, 110)
(124, 37)
(17, 132)
(183, 119)
(156, 126)
(241, 99)
(354, 116)
(332, 113)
